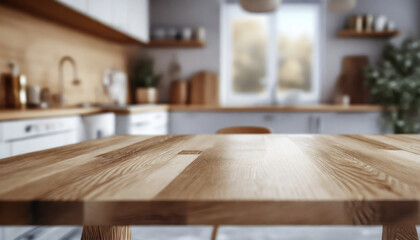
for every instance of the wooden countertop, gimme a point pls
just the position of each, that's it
(278, 108)
(216, 179)
(6, 114)
(203, 108)
(133, 109)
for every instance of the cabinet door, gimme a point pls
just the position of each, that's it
(351, 123)
(79, 5)
(138, 19)
(120, 15)
(102, 10)
(43, 142)
(210, 122)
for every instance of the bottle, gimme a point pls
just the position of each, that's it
(14, 85)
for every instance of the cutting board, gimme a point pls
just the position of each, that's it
(352, 81)
(204, 89)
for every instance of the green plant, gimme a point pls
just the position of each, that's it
(395, 84)
(144, 74)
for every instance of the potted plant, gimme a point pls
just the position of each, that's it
(146, 82)
(395, 84)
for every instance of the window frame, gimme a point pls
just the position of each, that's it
(228, 97)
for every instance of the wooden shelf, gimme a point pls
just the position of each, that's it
(57, 12)
(354, 34)
(176, 44)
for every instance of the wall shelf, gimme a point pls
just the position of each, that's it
(355, 34)
(176, 44)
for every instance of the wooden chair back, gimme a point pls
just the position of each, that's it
(244, 130)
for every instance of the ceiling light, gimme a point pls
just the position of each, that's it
(341, 6)
(260, 6)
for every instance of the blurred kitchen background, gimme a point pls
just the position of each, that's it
(75, 70)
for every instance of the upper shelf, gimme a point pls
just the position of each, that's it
(355, 34)
(176, 44)
(57, 12)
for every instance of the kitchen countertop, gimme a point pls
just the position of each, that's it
(216, 180)
(278, 108)
(6, 114)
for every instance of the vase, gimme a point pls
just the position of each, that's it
(146, 95)
(380, 23)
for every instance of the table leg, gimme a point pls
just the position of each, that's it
(399, 232)
(106, 233)
(214, 232)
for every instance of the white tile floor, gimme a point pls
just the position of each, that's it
(257, 233)
(242, 233)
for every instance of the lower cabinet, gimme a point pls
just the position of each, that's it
(24, 136)
(278, 122)
(97, 126)
(351, 123)
(148, 123)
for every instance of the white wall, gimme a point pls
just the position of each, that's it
(186, 13)
(206, 13)
(403, 12)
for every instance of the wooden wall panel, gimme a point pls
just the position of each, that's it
(38, 45)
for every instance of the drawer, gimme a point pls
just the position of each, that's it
(151, 117)
(12, 130)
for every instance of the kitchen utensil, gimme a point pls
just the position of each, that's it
(390, 26)
(204, 89)
(33, 96)
(359, 23)
(179, 92)
(186, 34)
(46, 98)
(200, 34)
(159, 34)
(368, 23)
(115, 82)
(380, 23)
(172, 33)
(351, 81)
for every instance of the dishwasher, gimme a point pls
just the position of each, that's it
(24, 136)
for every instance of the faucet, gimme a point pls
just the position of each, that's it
(76, 80)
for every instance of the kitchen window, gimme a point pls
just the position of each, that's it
(270, 58)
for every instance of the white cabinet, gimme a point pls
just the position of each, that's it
(101, 10)
(351, 123)
(148, 123)
(24, 136)
(128, 16)
(210, 122)
(97, 126)
(138, 19)
(79, 5)
(278, 122)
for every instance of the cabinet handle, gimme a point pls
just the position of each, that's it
(28, 128)
(318, 125)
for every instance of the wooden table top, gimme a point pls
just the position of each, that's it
(216, 179)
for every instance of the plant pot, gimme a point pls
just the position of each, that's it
(146, 95)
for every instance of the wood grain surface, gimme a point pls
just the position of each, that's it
(7, 115)
(399, 232)
(217, 180)
(106, 233)
(133, 109)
